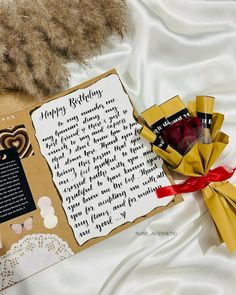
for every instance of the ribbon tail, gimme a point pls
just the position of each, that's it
(190, 185)
(166, 191)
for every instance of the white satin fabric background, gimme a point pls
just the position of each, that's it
(184, 47)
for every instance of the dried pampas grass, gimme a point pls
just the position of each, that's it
(38, 37)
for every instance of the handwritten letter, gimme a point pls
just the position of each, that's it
(105, 173)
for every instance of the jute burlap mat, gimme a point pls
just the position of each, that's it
(11, 102)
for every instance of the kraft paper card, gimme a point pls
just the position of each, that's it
(73, 171)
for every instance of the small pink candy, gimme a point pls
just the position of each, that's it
(45, 211)
(17, 228)
(44, 202)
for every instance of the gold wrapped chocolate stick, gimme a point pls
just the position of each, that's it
(174, 109)
(155, 119)
(153, 138)
(204, 110)
(192, 108)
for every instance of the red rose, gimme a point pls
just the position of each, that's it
(182, 134)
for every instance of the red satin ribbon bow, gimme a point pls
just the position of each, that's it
(194, 184)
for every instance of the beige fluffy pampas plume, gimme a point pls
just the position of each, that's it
(37, 38)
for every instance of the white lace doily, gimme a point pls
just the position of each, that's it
(30, 255)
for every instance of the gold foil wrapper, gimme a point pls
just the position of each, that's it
(219, 197)
(169, 155)
(153, 138)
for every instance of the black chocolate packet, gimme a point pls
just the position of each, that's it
(15, 195)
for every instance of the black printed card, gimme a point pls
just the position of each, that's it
(15, 195)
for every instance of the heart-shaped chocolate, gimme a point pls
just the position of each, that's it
(16, 137)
